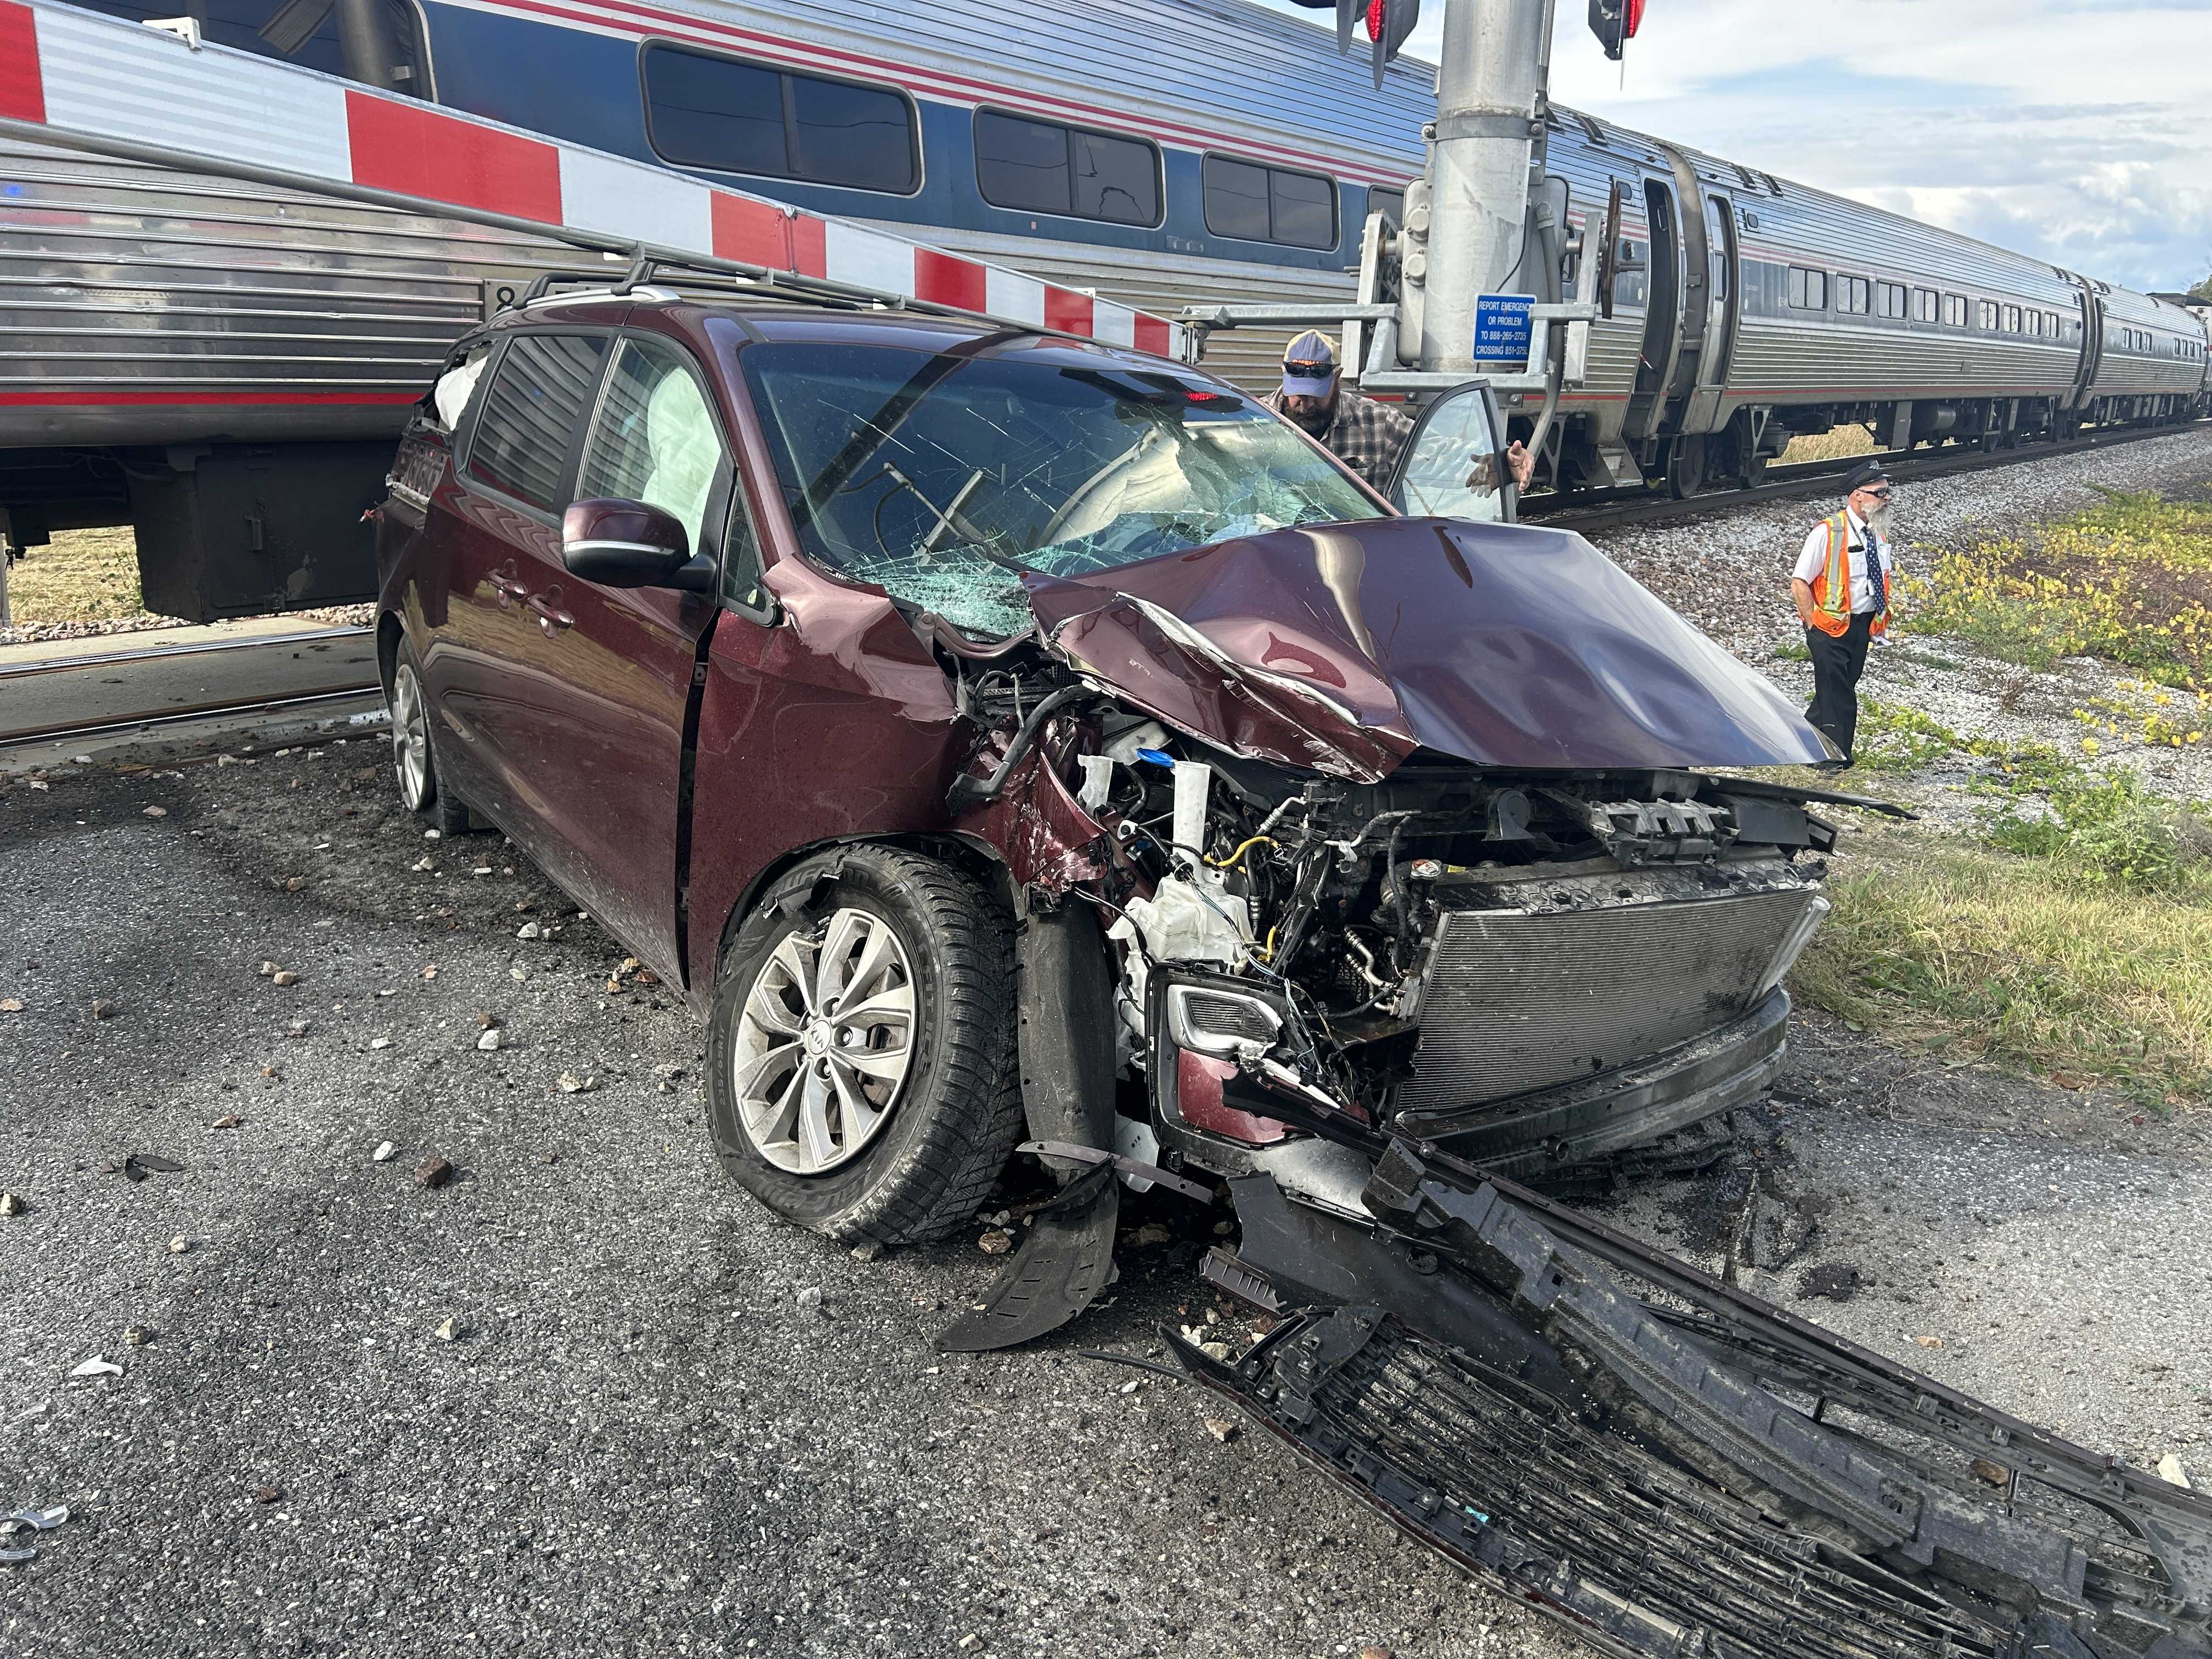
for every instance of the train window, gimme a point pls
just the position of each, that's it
(1889, 300)
(1853, 295)
(2012, 319)
(1925, 305)
(1041, 166)
(1269, 204)
(1989, 314)
(539, 394)
(2055, 328)
(306, 35)
(1391, 201)
(1809, 290)
(1955, 310)
(727, 116)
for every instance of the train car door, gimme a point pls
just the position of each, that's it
(1662, 314)
(2093, 348)
(1702, 413)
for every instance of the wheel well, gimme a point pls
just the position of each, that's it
(971, 857)
(388, 632)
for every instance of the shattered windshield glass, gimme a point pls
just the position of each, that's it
(942, 476)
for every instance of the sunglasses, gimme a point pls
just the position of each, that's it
(1309, 371)
(1882, 494)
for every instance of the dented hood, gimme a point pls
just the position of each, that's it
(1345, 647)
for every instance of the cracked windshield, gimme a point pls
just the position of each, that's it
(942, 476)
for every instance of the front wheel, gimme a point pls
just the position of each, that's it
(414, 756)
(862, 1078)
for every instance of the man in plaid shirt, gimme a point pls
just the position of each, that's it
(1366, 436)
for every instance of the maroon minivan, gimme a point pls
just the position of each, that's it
(984, 727)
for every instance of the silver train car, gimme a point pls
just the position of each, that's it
(1748, 309)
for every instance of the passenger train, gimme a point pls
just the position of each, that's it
(1164, 153)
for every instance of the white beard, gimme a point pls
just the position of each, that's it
(1880, 519)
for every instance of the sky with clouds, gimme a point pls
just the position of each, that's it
(2077, 130)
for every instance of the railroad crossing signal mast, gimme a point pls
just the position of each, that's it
(1485, 232)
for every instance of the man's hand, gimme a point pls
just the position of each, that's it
(1522, 464)
(1801, 591)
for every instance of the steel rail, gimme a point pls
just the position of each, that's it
(184, 716)
(200, 647)
(1809, 476)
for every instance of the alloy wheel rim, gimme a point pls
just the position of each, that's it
(411, 737)
(824, 1043)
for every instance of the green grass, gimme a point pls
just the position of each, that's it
(82, 575)
(1962, 946)
(2129, 581)
(1831, 446)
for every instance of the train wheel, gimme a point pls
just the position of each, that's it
(1686, 466)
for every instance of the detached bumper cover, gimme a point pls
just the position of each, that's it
(1670, 1466)
(1544, 1133)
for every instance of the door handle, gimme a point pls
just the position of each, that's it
(509, 585)
(551, 617)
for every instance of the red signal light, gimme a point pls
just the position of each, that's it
(1633, 17)
(1374, 8)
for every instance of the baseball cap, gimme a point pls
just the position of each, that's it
(1308, 366)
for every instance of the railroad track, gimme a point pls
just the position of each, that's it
(150, 688)
(1607, 510)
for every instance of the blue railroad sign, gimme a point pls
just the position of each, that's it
(1501, 327)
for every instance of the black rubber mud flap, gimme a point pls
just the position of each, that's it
(1669, 1466)
(1067, 1024)
(1067, 1259)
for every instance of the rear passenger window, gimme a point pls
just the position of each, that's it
(654, 440)
(727, 116)
(1269, 204)
(1041, 166)
(538, 396)
(449, 397)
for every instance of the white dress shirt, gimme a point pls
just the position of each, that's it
(1814, 559)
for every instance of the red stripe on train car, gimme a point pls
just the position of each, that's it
(949, 281)
(139, 399)
(1066, 310)
(421, 152)
(1154, 336)
(754, 231)
(22, 88)
(810, 245)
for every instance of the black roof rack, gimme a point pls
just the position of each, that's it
(757, 283)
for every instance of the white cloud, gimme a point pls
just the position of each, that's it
(2076, 131)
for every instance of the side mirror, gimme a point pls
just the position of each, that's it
(618, 544)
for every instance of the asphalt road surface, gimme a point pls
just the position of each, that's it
(635, 1435)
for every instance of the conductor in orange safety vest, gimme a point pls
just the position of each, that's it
(1841, 587)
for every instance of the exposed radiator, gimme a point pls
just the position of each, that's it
(1523, 999)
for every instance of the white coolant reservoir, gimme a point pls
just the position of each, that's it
(1193, 783)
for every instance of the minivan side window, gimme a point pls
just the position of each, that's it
(538, 396)
(654, 440)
